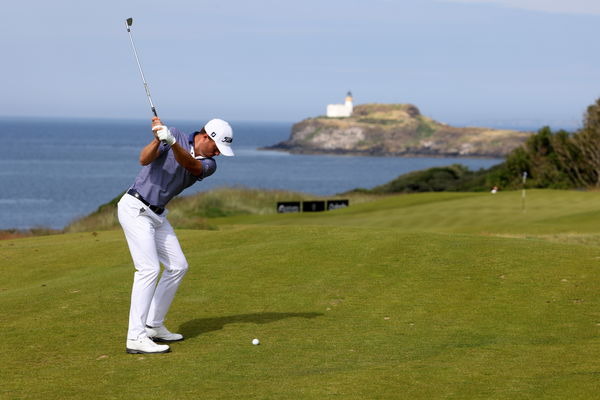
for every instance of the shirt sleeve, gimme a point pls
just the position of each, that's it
(209, 166)
(162, 148)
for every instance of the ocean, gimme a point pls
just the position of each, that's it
(53, 171)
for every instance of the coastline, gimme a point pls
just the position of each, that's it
(354, 153)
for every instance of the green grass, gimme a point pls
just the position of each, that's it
(425, 296)
(196, 211)
(544, 212)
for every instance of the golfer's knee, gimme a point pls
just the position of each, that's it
(179, 266)
(148, 272)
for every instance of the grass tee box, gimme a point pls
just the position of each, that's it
(398, 299)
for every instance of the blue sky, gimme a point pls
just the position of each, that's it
(504, 62)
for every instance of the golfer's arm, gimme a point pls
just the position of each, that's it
(150, 152)
(186, 160)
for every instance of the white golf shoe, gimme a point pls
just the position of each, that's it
(143, 345)
(162, 334)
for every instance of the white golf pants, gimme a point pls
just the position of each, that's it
(151, 241)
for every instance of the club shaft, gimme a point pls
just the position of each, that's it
(146, 88)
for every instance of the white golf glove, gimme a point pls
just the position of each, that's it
(164, 135)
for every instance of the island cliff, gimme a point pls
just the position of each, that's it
(396, 130)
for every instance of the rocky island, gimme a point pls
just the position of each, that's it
(396, 130)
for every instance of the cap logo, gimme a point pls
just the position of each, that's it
(213, 134)
(227, 139)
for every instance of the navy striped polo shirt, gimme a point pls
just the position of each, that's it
(164, 178)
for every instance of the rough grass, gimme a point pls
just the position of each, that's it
(196, 211)
(425, 296)
(21, 233)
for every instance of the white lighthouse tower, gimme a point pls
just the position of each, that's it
(341, 110)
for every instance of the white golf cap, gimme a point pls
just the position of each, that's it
(222, 134)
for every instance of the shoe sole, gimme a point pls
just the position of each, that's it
(159, 340)
(133, 351)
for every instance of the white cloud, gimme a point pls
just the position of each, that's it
(589, 7)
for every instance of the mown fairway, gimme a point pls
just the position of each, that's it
(428, 296)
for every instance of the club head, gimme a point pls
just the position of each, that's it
(129, 21)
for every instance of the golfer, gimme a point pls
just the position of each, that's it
(172, 161)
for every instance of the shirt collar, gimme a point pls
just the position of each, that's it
(191, 137)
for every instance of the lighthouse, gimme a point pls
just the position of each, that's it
(341, 110)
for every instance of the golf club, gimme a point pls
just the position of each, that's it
(128, 24)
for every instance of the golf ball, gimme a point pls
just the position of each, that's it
(255, 342)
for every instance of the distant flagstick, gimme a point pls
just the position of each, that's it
(523, 192)
(128, 24)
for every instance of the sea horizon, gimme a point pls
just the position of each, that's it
(519, 124)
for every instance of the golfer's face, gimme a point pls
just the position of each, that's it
(207, 147)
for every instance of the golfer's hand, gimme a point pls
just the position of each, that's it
(156, 125)
(161, 132)
(164, 135)
(155, 122)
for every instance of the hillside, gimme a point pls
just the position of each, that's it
(396, 130)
